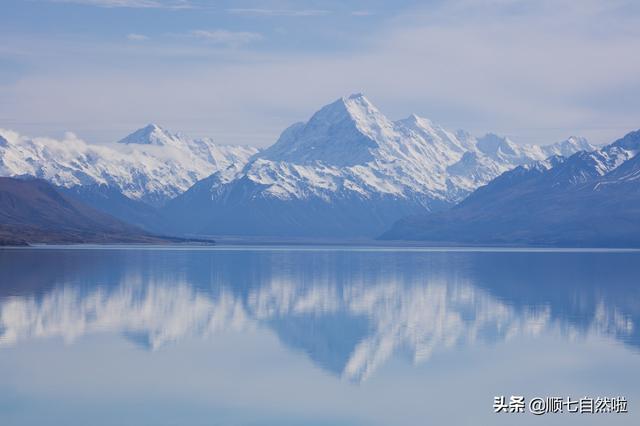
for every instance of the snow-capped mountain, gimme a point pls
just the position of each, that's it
(351, 146)
(588, 199)
(351, 171)
(494, 155)
(150, 165)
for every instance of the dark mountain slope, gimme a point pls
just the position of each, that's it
(33, 211)
(112, 201)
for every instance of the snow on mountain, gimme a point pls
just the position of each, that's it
(349, 154)
(586, 166)
(152, 135)
(349, 170)
(349, 147)
(568, 147)
(493, 155)
(151, 165)
(590, 199)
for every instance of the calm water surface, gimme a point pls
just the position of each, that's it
(312, 336)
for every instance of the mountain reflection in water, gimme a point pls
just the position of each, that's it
(349, 310)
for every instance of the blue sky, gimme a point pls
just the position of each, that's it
(537, 71)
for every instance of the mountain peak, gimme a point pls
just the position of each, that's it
(151, 134)
(577, 141)
(357, 106)
(356, 96)
(340, 133)
(630, 141)
(151, 128)
(415, 120)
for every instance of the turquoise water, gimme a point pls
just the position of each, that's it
(313, 335)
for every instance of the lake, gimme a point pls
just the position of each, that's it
(314, 335)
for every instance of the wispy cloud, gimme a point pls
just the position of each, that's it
(227, 38)
(537, 70)
(155, 4)
(279, 12)
(137, 37)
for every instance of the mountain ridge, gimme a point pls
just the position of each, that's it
(348, 171)
(150, 165)
(588, 199)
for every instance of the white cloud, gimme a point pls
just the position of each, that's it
(537, 73)
(279, 12)
(227, 38)
(137, 37)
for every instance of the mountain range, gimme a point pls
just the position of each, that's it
(349, 172)
(129, 179)
(588, 199)
(151, 165)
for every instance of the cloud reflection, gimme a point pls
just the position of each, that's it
(349, 328)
